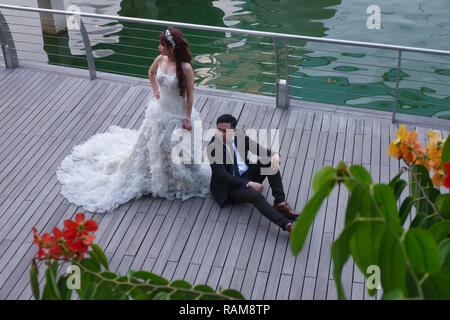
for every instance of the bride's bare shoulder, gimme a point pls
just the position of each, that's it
(186, 66)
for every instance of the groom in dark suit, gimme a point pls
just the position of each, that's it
(235, 178)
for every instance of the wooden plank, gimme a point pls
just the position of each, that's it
(260, 286)
(253, 262)
(169, 270)
(214, 276)
(320, 292)
(228, 271)
(275, 272)
(358, 291)
(191, 273)
(284, 287)
(308, 288)
(349, 140)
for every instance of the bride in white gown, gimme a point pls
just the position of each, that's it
(113, 167)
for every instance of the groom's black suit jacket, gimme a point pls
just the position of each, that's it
(223, 164)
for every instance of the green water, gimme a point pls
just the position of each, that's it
(342, 75)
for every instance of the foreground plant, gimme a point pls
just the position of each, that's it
(96, 280)
(415, 262)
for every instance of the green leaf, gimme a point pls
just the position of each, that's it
(34, 282)
(64, 290)
(340, 252)
(150, 277)
(180, 284)
(323, 176)
(99, 256)
(361, 174)
(161, 296)
(233, 293)
(90, 264)
(50, 277)
(388, 206)
(394, 180)
(439, 231)
(445, 155)
(393, 265)
(204, 288)
(91, 291)
(443, 205)
(444, 252)
(359, 204)
(437, 286)
(405, 209)
(301, 228)
(399, 187)
(395, 294)
(422, 251)
(419, 220)
(365, 244)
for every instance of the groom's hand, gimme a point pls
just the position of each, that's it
(275, 162)
(256, 186)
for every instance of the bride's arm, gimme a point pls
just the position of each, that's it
(152, 76)
(189, 74)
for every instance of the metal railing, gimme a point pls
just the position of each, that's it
(301, 70)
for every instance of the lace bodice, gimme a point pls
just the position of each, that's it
(169, 92)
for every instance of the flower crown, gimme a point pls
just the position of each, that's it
(169, 37)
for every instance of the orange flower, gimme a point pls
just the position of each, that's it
(394, 151)
(437, 179)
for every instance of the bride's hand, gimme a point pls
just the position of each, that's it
(157, 95)
(187, 124)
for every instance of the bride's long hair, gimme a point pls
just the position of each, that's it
(182, 54)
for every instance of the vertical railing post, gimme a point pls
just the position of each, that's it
(88, 49)
(277, 70)
(286, 54)
(397, 82)
(7, 44)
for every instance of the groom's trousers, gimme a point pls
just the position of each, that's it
(247, 194)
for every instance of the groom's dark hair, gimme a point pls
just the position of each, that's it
(227, 118)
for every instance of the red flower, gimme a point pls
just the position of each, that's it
(447, 178)
(73, 241)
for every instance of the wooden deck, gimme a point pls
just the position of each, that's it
(46, 110)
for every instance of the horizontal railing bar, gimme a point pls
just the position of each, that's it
(191, 45)
(53, 54)
(427, 82)
(340, 61)
(39, 35)
(354, 84)
(341, 93)
(121, 72)
(51, 62)
(401, 100)
(436, 62)
(333, 71)
(123, 63)
(246, 80)
(235, 30)
(365, 84)
(237, 90)
(188, 35)
(329, 102)
(324, 50)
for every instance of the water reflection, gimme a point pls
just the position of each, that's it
(323, 73)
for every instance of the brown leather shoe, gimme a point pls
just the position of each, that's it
(286, 209)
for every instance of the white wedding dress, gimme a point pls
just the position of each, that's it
(113, 167)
